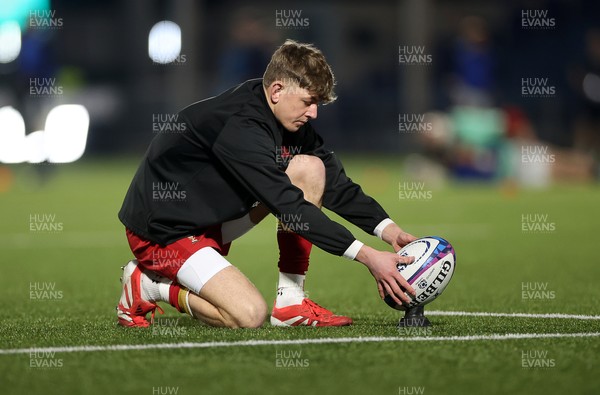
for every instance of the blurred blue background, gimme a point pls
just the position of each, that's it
(466, 89)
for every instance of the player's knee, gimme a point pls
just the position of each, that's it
(252, 315)
(306, 169)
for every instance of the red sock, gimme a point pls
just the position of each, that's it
(174, 296)
(294, 252)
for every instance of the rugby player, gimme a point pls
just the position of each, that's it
(245, 154)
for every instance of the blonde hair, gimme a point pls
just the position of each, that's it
(305, 65)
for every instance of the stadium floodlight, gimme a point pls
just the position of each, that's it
(10, 41)
(12, 136)
(34, 147)
(66, 133)
(63, 140)
(164, 42)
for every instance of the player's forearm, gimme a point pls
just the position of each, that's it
(394, 235)
(365, 255)
(390, 233)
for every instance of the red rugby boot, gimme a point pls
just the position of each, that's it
(308, 313)
(132, 309)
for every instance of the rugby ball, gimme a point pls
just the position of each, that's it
(430, 273)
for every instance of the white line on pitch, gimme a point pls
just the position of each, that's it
(329, 340)
(520, 315)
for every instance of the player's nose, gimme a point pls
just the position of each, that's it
(311, 113)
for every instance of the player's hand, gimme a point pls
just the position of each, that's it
(382, 265)
(396, 237)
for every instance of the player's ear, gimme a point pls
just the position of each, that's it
(275, 90)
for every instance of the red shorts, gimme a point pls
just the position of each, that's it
(167, 260)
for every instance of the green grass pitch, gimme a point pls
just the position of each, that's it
(78, 263)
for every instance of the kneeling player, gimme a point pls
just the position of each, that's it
(244, 154)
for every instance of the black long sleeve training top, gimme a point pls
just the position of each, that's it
(226, 157)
